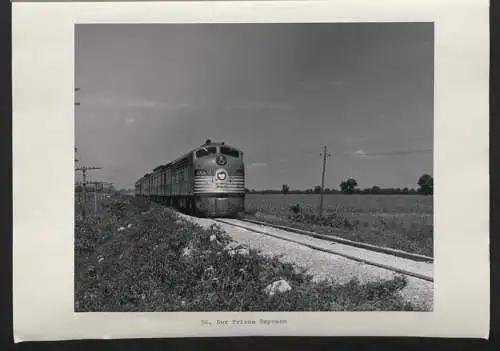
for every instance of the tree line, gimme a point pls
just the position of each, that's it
(425, 186)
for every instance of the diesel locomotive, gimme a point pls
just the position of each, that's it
(208, 181)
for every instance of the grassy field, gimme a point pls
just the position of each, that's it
(403, 222)
(139, 256)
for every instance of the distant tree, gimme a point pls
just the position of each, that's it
(406, 190)
(375, 189)
(285, 189)
(343, 186)
(247, 190)
(317, 189)
(426, 184)
(348, 186)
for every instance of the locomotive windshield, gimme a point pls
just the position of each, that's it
(229, 151)
(206, 151)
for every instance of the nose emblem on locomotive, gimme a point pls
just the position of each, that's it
(221, 160)
(221, 175)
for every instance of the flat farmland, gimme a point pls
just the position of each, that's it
(403, 222)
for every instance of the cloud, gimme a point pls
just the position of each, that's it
(258, 105)
(164, 105)
(364, 155)
(323, 83)
(130, 120)
(134, 103)
(359, 153)
(123, 102)
(257, 164)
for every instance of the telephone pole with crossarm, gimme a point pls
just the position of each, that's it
(84, 170)
(325, 154)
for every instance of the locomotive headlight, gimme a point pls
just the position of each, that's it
(221, 175)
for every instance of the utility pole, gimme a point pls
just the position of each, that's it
(325, 154)
(76, 149)
(76, 104)
(84, 170)
(98, 187)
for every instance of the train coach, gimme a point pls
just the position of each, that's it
(208, 181)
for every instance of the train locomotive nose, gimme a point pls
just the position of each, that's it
(221, 160)
(208, 180)
(221, 174)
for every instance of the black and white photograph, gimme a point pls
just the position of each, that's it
(243, 167)
(236, 168)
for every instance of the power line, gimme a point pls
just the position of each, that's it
(76, 104)
(348, 154)
(84, 170)
(406, 152)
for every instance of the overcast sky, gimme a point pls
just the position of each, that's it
(278, 92)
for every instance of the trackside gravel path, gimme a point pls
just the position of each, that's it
(416, 267)
(323, 265)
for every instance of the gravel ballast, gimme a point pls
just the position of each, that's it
(323, 265)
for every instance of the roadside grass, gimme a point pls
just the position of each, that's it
(140, 256)
(402, 230)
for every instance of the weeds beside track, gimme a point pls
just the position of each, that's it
(140, 256)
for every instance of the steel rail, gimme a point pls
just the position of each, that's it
(393, 252)
(319, 248)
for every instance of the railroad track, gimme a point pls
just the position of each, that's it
(386, 250)
(402, 262)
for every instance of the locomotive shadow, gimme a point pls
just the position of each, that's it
(193, 212)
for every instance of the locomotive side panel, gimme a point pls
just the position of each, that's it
(168, 181)
(183, 176)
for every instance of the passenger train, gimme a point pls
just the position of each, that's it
(208, 181)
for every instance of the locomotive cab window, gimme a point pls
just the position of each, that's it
(206, 151)
(229, 151)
